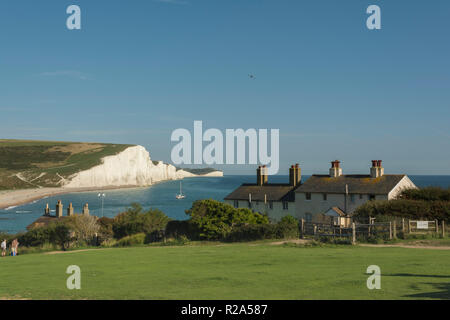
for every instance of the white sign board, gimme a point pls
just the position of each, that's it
(422, 224)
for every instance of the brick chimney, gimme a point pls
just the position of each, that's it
(86, 209)
(70, 210)
(335, 170)
(47, 210)
(261, 175)
(295, 175)
(59, 209)
(376, 170)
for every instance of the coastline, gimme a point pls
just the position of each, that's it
(14, 198)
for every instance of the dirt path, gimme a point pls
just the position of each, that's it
(411, 246)
(296, 241)
(75, 251)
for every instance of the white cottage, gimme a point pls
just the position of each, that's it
(321, 193)
(321, 197)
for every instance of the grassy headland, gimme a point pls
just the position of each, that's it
(30, 164)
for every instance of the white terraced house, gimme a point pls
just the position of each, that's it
(334, 195)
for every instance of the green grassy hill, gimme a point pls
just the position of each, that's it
(30, 164)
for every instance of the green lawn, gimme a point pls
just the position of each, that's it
(237, 271)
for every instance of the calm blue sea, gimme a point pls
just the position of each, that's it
(161, 196)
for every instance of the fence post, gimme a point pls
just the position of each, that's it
(315, 229)
(443, 229)
(409, 226)
(302, 228)
(437, 225)
(390, 230)
(403, 225)
(353, 233)
(395, 229)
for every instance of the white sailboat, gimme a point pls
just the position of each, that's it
(180, 195)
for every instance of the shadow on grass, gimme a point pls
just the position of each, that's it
(442, 289)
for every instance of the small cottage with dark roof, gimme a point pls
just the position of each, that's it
(274, 199)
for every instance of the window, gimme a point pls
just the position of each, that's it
(324, 197)
(360, 196)
(285, 205)
(271, 204)
(371, 197)
(352, 198)
(236, 203)
(308, 196)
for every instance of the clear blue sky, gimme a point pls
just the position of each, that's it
(140, 69)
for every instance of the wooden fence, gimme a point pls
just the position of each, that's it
(387, 230)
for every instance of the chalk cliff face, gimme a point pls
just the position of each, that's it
(131, 167)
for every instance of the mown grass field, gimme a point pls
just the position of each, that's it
(43, 163)
(231, 271)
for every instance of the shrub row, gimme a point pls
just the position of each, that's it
(405, 208)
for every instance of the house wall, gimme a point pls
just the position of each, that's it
(404, 184)
(274, 214)
(317, 205)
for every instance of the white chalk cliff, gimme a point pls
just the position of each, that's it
(131, 167)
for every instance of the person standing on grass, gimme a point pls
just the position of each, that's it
(3, 247)
(14, 247)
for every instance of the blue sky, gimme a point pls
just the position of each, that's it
(140, 69)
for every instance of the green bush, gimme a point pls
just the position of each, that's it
(427, 194)
(287, 228)
(35, 237)
(252, 232)
(60, 235)
(105, 232)
(134, 221)
(404, 208)
(135, 239)
(154, 236)
(215, 220)
(176, 229)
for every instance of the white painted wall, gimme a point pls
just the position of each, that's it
(275, 214)
(404, 184)
(318, 205)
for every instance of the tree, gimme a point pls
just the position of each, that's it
(134, 221)
(216, 220)
(60, 234)
(84, 227)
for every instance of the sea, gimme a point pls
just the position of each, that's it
(160, 196)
